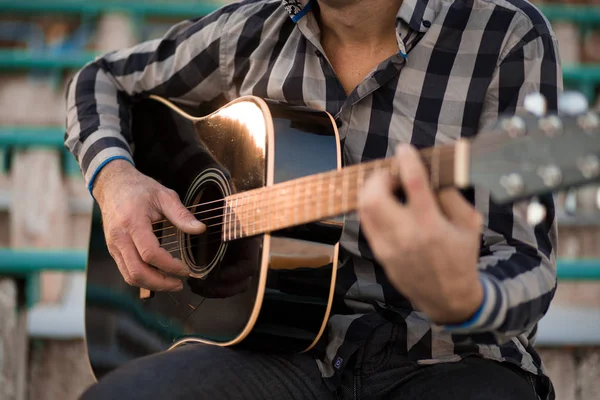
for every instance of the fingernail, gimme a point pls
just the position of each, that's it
(185, 272)
(179, 287)
(196, 224)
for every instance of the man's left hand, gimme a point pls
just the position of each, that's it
(428, 246)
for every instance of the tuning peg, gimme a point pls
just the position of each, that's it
(536, 212)
(535, 103)
(572, 103)
(570, 202)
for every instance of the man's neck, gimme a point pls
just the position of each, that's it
(358, 23)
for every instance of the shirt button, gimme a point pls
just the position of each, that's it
(426, 23)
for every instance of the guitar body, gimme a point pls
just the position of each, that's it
(284, 306)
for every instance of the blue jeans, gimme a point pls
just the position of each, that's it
(376, 372)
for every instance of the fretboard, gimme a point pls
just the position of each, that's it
(329, 194)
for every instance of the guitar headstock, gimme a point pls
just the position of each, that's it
(525, 156)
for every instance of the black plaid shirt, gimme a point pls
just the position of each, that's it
(460, 63)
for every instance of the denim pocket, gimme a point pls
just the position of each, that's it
(378, 348)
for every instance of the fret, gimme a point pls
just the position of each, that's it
(255, 215)
(230, 216)
(281, 216)
(288, 206)
(239, 215)
(235, 219)
(267, 209)
(261, 211)
(307, 201)
(273, 206)
(265, 213)
(280, 193)
(248, 218)
(330, 195)
(246, 226)
(295, 203)
(339, 193)
(320, 194)
(244, 219)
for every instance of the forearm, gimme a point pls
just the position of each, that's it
(183, 65)
(518, 271)
(97, 122)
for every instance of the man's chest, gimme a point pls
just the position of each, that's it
(419, 100)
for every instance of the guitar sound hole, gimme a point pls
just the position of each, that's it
(205, 251)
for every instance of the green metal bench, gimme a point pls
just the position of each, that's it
(148, 8)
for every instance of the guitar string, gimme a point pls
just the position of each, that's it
(194, 309)
(303, 200)
(246, 197)
(318, 182)
(445, 153)
(220, 233)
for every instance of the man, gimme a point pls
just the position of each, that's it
(442, 298)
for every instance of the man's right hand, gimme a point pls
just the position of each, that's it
(130, 202)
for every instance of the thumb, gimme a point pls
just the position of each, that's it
(180, 216)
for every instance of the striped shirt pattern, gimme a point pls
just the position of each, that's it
(460, 64)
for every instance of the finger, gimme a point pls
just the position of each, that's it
(458, 210)
(181, 217)
(152, 254)
(378, 207)
(116, 255)
(415, 180)
(142, 275)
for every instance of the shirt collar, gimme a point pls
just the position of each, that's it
(418, 14)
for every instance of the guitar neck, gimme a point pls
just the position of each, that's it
(321, 196)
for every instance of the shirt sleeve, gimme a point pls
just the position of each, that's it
(183, 65)
(517, 262)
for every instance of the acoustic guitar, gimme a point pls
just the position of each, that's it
(267, 180)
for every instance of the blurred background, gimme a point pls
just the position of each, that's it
(45, 210)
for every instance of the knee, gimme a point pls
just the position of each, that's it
(165, 375)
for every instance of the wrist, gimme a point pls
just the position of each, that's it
(106, 174)
(463, 307)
